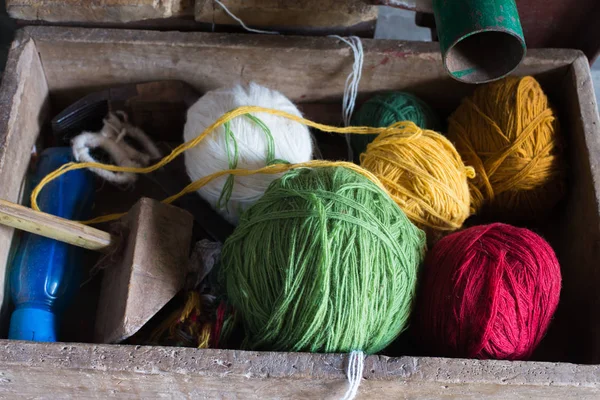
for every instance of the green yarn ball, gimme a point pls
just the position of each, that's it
(325, 261)
(385, 109)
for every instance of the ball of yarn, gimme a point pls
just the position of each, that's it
(246, 144)
(323, 262)
(507, 131)
(488, 292)
(424, 175)
(386, 109)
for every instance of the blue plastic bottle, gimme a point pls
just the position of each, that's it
(45, 273)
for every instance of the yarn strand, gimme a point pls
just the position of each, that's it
(356, 366)
(269, 169)
(239, 21)
(232, 161)
(353, 80)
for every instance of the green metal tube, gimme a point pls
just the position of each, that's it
(481, 40)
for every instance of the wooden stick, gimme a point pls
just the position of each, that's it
(50, 226)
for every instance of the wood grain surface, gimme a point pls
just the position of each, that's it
(64, 230)
(288, 14)
(24, 105)
(33, 370)
(151, 271)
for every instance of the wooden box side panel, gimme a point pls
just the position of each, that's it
(288, 14)
(31, 370)
(24, 105)
(97, 11)
(576, 239)
(307, 70)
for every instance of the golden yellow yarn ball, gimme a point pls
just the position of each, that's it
(423, 173)
(509, 133)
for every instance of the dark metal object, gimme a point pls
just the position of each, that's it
(158, 108)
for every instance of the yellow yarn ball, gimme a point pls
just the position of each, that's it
(507, 131)
(423, 173)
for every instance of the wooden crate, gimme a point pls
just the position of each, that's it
(50, 67)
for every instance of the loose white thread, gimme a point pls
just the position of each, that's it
(356, 366)
(111, 139)
(353, 80)
(242, 22)
(86, 141)
(117, 127)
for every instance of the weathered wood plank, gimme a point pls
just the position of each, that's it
(288, 14)
(305, 69)
(98, 10)
(30, 370)
(414, 5)
(151, 272)
(579, 307)
(24, 105)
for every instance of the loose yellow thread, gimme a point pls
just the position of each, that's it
(395, 129)
(271, 169)
(164, 327)
(204, 336)
(191, 306)
(185, 326)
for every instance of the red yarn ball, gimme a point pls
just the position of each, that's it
(488, 292)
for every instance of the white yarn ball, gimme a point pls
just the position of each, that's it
(293, 143)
